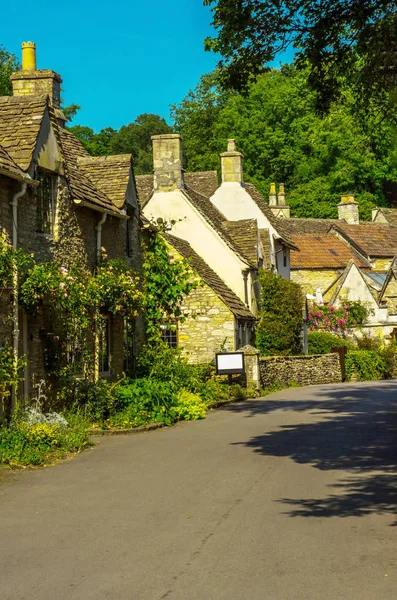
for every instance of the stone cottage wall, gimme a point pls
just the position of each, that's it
(208, 328)
(311, 279)
(305, 370)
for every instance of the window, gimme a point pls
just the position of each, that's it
(169, 335)
(104, 345)
(45, 207)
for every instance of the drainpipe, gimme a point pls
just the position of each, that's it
(99, 233)
(15, 303)
(245, 275)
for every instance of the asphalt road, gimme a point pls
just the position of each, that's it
(292, 497)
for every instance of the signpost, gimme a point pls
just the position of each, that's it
(230, 363)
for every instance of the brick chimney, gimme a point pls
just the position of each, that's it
(167, 162)
(33, 82)
(348, 209)
(232, 164)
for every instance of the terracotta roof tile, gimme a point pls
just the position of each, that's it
(20, 122)
(323, 251)
(110, 174)
(371, 239)
(230, 299)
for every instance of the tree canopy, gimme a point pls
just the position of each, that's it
(134, 138)
(336, 38)
(8, 64)
(283, 138)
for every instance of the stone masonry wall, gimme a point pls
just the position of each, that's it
(209, 326)
(302, 370)
(311, 279)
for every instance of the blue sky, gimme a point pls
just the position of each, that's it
(117, 59)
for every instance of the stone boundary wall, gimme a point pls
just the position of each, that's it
(312, 369)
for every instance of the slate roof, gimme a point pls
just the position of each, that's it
(110, 174)
(278, 223)
(9, 168)
(245, 235)
(390, 214)
(81, 187)
(323, 251)
(20, 122)
(371, 239)
(310, 225)
(216, 219)
(228, 297)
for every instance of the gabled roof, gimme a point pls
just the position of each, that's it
(205, 182)
(144, 188)
(277, 223)
(110, 174)
(390, 215)
(341, 281)
(20, 122)
(216, 219)
(310, 225)
(370, 239)
(228, 297)
(323, 251)
(82, 189)
(245, 235)
(392, 272)
(10, 169)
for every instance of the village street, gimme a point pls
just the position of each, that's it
(291, 497)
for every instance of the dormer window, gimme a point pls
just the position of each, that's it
(46, 198)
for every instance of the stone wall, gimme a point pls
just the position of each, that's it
(209, 326)
(311, 279)
(301, 370)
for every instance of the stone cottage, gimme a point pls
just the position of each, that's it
(77, 206)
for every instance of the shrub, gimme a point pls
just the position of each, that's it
(40, 443)
(321, 342)
(367, 365)
(280, 320)
(190, 406)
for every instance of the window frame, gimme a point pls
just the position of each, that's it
(169, 334)
(46, 207)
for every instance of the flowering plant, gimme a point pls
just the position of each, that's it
(336, 319)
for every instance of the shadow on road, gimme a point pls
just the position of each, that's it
(351, 428)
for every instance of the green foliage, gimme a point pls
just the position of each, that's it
(284, 139)
(8, 64)
(167, 282)
(280, 320)
(10, 375)
(39, 444)
(337, 319)
(134, 138)
(340, 40)
(190, 406)
(321, 342)
(11, 260)
(366, 365)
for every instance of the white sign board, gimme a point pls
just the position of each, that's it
(230, 363)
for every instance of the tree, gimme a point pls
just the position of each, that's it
(336, 38)
(280, 320)
(8, 64)
(135, 139)
(283, 138)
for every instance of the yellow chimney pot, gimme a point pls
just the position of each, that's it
(272, 188)
(28, 56)
(281, 189)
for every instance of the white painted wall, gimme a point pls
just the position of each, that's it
(235, 203)
(356, 289)
(192, 227)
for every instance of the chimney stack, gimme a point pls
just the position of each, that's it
(277, 202)
(167, 162)
(232, 164)
(348, 209)
(33, 82)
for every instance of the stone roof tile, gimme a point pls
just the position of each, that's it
(110, 174)
(371, 239)
(245, 235)
(230, 299)
(9, 168)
